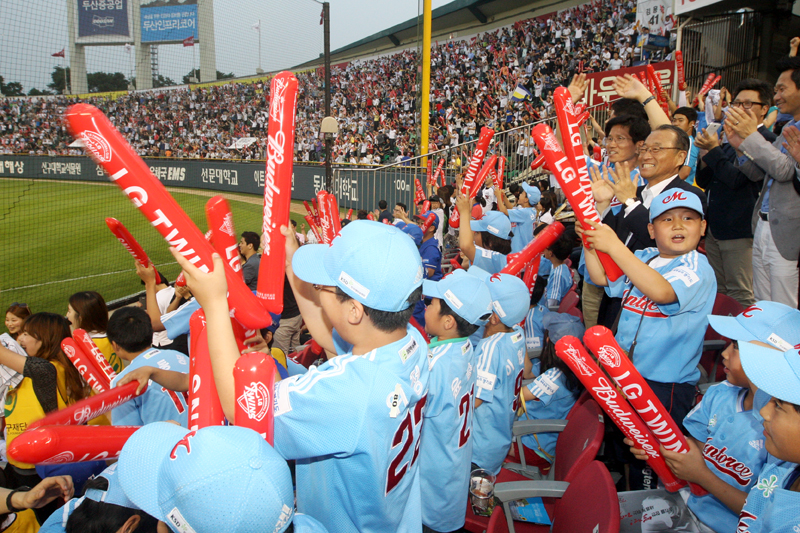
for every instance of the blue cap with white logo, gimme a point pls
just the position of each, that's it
(769, 322)
(415, 232)
(495, 223)
(672, 198)
(773, 371)
(534, 194)
(510, 298)
(373, 263)
(560, 325)
(424, 216)
(218, 478)
(464, 293)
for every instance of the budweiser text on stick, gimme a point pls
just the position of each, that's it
(53, 445)
(84, 410)
(277, 190)
(570, 350)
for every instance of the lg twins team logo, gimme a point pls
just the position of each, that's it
(61, 458)
(97, 145)
(227, 224)
(69, 350)
(550, 143)
(255, 401)
(609, 356)
(674, 197)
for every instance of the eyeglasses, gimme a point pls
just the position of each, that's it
(618, 139)
(655, 150)
(324, 288)
(745, 105)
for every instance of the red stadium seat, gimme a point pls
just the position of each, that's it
(570, 301)
(576, 447)
(589, 504)
(714, 343)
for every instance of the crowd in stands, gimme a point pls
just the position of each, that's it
(375, 100)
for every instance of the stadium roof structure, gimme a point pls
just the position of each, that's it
(460, 17)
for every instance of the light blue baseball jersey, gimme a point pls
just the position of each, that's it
(522, 221)
(157, 404)
(177, 322)
(353, 425)
(545, 267)
(534, 329)
(771, 506)
(558, 284)
(670, 338)
(734, 449)
(490, 261)
(57, 522)
(555, 400)
(305, 524)
(499, 362)
(445, 451)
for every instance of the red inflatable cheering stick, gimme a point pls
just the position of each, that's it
(477, 184)
(429, 172)
(124, 236)
(570, 350)
(277, 190)
(325, 218)
(419, 194)
(84, 410)
(602, 343)
(349, 214)
(531, 273)
(111, 151)
(204, 406)
(428, 222)
(579, 197)
(54, 445)
(85, 365)
(254, 378)
(539, 161)
(681, 75)
(545, 239)
(90, 348)
(501, 169)
(475, 162)
(220, 220)
(439, 172)
(333, 213)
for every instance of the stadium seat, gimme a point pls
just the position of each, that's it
(582, 437)
(589, 503)
(569, 301)
(714, 343)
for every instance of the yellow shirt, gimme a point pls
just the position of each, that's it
(23, 408)
(22, 522)
(108, 352)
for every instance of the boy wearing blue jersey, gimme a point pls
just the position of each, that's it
(500, 361)
(459, 303)
(726, 447)
(667, 294)
(353, 423)
(523, 216)
(485, 242)
(560, 281)
(131, 334)
(773, 504)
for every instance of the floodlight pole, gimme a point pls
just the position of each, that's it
(425, 85)
(326, 19)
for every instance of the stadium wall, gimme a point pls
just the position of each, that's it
(352, 191)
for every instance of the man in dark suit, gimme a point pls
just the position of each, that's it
(660, 160)
(731, 198)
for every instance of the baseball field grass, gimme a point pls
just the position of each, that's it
(54, 240)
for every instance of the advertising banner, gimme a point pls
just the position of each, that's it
(601, 84)
(168, 20)
(103, 17)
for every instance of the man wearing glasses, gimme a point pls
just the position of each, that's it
(660, 160)
(731, 197)
(776, 217)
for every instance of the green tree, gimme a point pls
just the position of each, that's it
(162, 81)
(101, 82)
(223, 76)
(195, 73)
(59, 75)
(13, 88)
(37, 92)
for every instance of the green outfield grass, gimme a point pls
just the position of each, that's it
(54, 240)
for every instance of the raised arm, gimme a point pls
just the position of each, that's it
(465, 235)
(628, 86)
(148, 276)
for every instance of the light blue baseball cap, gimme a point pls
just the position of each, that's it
(373, 263)
(534, 194)
(764, 321)
(672, 198)
(219, 478)
(415, 232)
(114, 494)
(560, 325)
(775, 372)
(510, 298)
(495, 223)
(467, 295)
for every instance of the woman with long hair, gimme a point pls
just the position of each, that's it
(87, 311)
(15, 315)
(50, 382)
